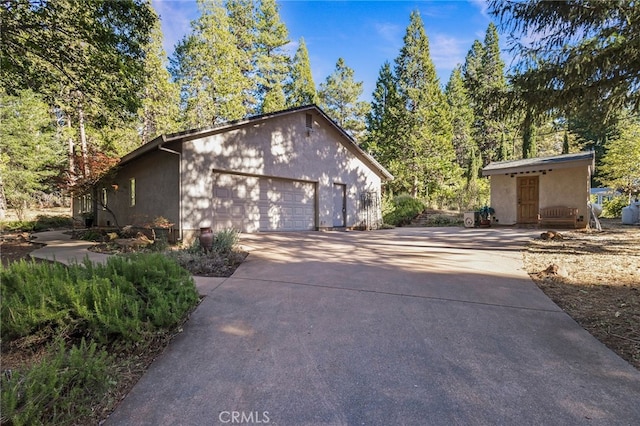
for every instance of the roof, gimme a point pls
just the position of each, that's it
(540, 164)
(180, 137)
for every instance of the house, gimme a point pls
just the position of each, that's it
(520, 189)
(291, 170)
(600, 195)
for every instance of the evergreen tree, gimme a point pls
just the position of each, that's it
(339, 96)
(160, 98)
(301, 90)
(582, 52)
(272, 62)
(208, 67)
(424, 124)
(621, 164)
(529, 146)
(242, 24)
(485, 82)
(462, 119)
(30, 155)
(381, 140)
(565, 142)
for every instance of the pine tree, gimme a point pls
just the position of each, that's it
(485, 82)
(339, 96)
(272, 62)
(381, 140)
(424, 124)
(30, 155)
(529, 146)
(301, 90)
(242, 25)
(160, 98)
(208, 67)
(565, 142)
(463, 118)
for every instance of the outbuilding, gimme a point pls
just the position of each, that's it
(291, 170)
(522, 189)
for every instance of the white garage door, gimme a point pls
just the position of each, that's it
(251, 203)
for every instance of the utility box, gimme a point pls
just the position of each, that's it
(631, 214)
(471, 219)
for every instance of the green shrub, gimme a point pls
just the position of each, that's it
(59, 388)
(405, 208)
(613, 208)
(121, 300)
(41, 223)
(225, 241)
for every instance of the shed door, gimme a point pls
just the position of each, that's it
(253, 203)
(339, 205)
(527, 199)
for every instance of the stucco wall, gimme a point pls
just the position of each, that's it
(278, 147)
(561, 187)
(157, 191)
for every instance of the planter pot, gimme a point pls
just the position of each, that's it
(206, 239)
(485, 223)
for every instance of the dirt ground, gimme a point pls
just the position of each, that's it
(596, 279)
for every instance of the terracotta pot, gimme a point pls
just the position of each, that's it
(206, 238)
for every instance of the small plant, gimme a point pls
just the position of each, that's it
(486, 212)
(225, 241)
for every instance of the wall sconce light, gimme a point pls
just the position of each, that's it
(115, 186)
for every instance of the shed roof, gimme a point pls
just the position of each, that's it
(540, 164)
(180, 137)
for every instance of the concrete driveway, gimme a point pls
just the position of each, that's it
(422, 326)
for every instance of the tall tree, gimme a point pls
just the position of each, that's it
(462, 120)
(424, 124)
(301, 90)
(381, 140)
(575, 52)
(486, 84)
(339, 96)
(272, 62)
(160, 98)
(208, 67)
(30, 155)
(529, 145)
(621, 164)
(242, 24)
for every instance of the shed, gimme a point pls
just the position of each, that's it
(521, 188)
(291, 170)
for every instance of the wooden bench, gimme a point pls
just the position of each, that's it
(559, 216)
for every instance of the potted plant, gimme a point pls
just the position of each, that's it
(485, 215)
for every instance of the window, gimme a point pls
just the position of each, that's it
(104, 198)
(132, 192)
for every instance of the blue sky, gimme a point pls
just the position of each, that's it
(364, 33)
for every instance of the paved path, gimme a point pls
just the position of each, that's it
(61, 248)
(421, 326)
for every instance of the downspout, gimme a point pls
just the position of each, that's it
(179, 154)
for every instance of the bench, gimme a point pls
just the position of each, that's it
(559, 216)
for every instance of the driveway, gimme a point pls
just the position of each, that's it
(421, 326)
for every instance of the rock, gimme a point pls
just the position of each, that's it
(557, 270)
(551, 235)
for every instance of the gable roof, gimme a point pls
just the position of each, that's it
(180, 137)
(540, 164)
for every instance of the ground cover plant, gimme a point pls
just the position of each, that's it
(67, 332)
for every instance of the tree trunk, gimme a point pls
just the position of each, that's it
(72, 160)
(83, 144)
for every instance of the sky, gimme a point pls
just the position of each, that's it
(364, 33)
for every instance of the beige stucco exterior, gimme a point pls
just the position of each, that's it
(175, 178)
(561, 183)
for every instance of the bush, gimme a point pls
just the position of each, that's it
(41, 223)
(127, 297)
(225, 241)
(613, 208)
(405, 208)
(60, 387)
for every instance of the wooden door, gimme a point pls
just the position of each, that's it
(528, 199)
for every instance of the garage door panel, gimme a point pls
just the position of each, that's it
(251, 203)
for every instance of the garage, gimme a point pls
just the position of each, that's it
(258, 203)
